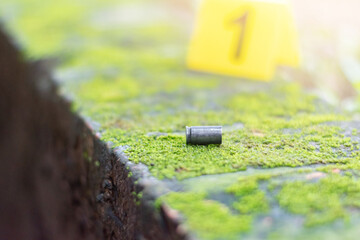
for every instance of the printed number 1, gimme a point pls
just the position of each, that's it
(241, 21)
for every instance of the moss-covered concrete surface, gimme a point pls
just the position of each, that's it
(289, 164)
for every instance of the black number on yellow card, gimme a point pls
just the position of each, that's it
(241, 22)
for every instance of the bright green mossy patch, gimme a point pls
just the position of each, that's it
(352, 164)
(169, 103)
(255, 202)
(210, 219)
(169, 156)
(321, 202)
(251, 199)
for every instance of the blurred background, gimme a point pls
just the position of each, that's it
(87, 32)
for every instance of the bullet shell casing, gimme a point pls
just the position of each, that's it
(204, 135)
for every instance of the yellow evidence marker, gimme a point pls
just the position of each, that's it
(289, 53)
(245, 38)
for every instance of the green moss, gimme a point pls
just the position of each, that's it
(330, 198)
(286, 100)
(244, 186)
(116, 90)
(210, 219)
(250, 198)
(168, 156)
(352, 163)
(321, 202)
(255, 202)
(354, 132)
